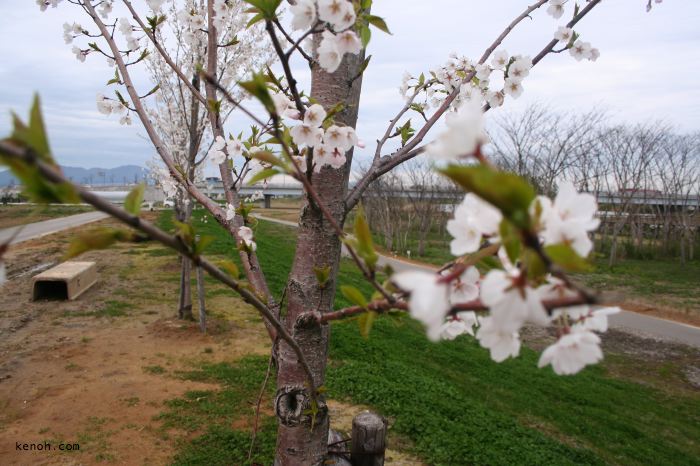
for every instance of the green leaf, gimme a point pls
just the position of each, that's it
(268, 157)
(363, 236)
(257, 87)
(534, 266)
(231, 268)
(116, 79)
(366, 4)
(233, 41)
(365, 35)
(406, 132)
(98, 238)
(33, 135)
(509, 193)
(266, 8)
(354, 295)
(255, 19)
(214, 106)
(132, 203)
(365, 321)
(263, 174)
(378, 22)
(364, 65)
(202, 243)
(322, 275)
(564, 256)
(510, 240)
(185, 231)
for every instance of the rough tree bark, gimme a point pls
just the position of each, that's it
(317, 246)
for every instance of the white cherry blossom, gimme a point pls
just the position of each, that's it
(594, 320)
(335, 137)
(511, 303)
(500, 59)
(464, 133)
(569, 218)
(234, 147)
(556, 8)
(501, 343)
(304, 14)
(348, 42)
(304, 135)
(520, 69)
(216, 154)
(329, 57)
(564, 34)
(428, 302)
(230, 212)
(339, 13)
(460, 324)
(246, 235)
(465, 288)
(106, 9)
(79, 54)
(314, 115)
(155, 5)
(572, 352)
(473, 218)
(482, 71)
(494, 99)
(581, 50)
(512, 87)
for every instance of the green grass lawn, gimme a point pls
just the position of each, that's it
(449, 401)
(12, 215)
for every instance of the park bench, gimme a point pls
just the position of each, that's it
(66, 281)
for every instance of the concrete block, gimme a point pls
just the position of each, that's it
(66, 281)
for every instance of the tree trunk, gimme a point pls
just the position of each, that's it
(317, 246)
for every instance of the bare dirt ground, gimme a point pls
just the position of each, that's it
(96, 371)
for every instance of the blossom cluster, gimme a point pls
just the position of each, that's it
(329, 145)
(221, 148)
(336, 41)
(479, 81)
(512, 297)
(109, 106)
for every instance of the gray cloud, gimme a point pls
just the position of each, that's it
(647, 70)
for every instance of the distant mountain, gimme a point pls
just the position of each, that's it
(126, 174)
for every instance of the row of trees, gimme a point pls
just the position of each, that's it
(647, 178)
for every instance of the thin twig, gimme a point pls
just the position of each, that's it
(257, 405)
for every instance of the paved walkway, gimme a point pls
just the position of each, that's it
(47, 227)
(633, 322)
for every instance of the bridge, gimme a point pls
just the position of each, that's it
(286, 186)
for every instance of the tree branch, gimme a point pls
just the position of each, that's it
(52, 174)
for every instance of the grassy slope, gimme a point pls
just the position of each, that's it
(449, 399)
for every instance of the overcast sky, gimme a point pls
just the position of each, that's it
(649, 68)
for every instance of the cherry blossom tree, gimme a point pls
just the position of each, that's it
(309, 134)
(179, 117)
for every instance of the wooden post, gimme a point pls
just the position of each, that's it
(368, 439)
(200, 296)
